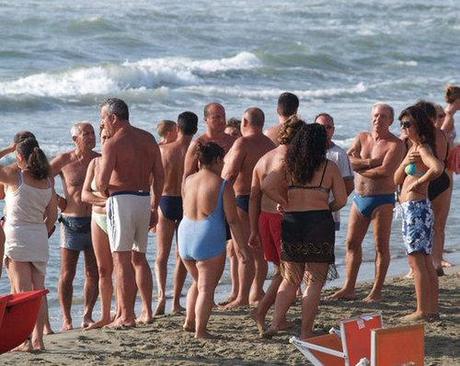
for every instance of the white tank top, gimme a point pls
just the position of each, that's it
(25, 229)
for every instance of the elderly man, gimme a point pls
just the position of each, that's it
(338, 156)
(239, 165)
(374, 157)
(75, 222)
(288, 104)
(130, 170)
(170, 212)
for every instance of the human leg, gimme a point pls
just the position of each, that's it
(315, 277)
(233, 258)
(69, 260)
(422, 286)
(105, 270)
(209, 273)
(381, 220)
(165, 233)
(38, 283)
(126, 288)
(261, 270)
(192, 294)
(441, 207)
(91, 289)
(434, 286)
(292, 274)
(180, 274)
(357, 228)
(144, 282)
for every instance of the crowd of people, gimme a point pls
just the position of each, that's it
(254, 195)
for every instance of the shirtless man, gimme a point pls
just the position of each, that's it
(75, 222)
(130, 159)
(170, 212)
(239, 165)
(265, 220)
(374, 157)
(214, 116)
(288, 104)
(338, 156)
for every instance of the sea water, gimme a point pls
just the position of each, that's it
(59, 60)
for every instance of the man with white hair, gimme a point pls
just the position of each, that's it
(75, 222)
(374, 157)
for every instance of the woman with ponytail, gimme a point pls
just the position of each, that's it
(31, 210)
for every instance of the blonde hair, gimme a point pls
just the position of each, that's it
(165, 126)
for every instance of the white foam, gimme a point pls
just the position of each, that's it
(266, 94)
(408, 63)
(147, 73)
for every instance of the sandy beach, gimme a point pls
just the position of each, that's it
(238, 343)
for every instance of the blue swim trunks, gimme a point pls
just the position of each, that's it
(367, 204)
(417, 226)
(75, 232)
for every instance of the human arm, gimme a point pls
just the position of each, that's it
(254, 209)
(450, 110)
(156, 185)
(87, 194)
(191, 161)
(357, 163)
(50, 214)
(105, 167)
(391, 160)
(234, 161)
(434, 165)
(337, 187)
(275, 186)
(233, 221)
(2, 249)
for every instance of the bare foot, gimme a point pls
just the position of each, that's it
(24, 347)
(415, 316)
(229, 300)
(440, 272)
(99, 324)
(144, 319)
(67, 325)
(119, 323)
(189, 328)
(285, 325)
(260, 321)
(304, 337)
(343, 294)
(47, 330)
(178, 310)
(410, 274)
(160, 310)
(236, 304)
(372, 298)
(205, 335)
(38, 345)
(269, 333)
(446, 264)
(87, 321)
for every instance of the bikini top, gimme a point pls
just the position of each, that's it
(319, 187)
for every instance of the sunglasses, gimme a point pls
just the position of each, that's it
(405, 124)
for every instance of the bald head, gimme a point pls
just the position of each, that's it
(208, 108)
(255, 116)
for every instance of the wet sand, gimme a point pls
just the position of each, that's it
(164, 342)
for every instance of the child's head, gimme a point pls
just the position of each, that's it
(233, 127)
(167, 130)
(452, 93)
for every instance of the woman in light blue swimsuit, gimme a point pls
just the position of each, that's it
(208, 202)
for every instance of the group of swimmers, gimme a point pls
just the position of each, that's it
(257, 196)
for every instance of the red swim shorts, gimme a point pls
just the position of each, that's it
(270, 235)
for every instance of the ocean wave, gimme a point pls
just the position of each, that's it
(148, 73)
(266, 94)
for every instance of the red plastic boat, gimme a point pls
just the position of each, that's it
(18, 314)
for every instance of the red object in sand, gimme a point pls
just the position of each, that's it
(19, 317)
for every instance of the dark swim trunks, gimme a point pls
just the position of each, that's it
(242, 201)
(438, 186)
(75, 232)
(171, 207)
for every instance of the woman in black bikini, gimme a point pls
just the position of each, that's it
(308, 235)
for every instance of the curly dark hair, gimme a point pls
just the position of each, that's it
(306, 153)
(422, 123)
(289, 129)
(208, 153)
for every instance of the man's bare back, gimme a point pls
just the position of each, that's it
(172, 157)
(243, 157)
